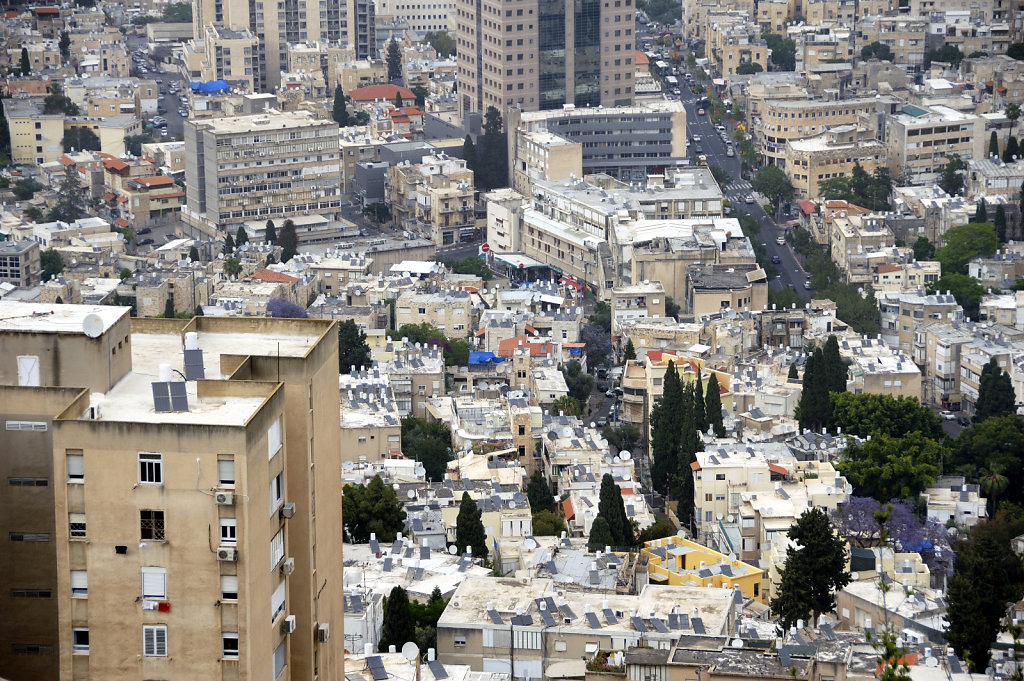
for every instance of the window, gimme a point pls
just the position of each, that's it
(274, 439)
(28, 370)
(226, 471)
(279, 660)
(229, 644)
(277, 604)
(76, 525)
(276, 491)
(460, 639)
(229, 587)
(29, 536)
(151, 525)
(79, 583)
(25, 425)
(719, 476)
(80, 640)
(154, 582)
(276, 549)
(228, 531)
(76, 467)
(154, 640)
(28, 482)
(151, 468)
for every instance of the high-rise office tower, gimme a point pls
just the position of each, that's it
(191, 473)
(279, 22)
(541, 54)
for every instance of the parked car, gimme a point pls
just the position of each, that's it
(749, 198)
(963, 420)
(144, 242)
(609, 393)
(781, 240)
(144, 230)
(807, 284)
(776, 260)
(602, 422)
(947, 415)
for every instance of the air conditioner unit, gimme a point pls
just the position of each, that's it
(288, 566)
(227, 554)
(288, 626)
(224, 498)
(323, 633)
(288, 510)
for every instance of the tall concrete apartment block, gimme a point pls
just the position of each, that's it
(279, 22)
(158, 534)
(541, 54)
(270, 166)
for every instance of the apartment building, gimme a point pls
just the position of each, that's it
(920, 139)
(877, 370)
(906, 36)
(783, 120)
(971, 34)
(291, 161)
(987, 346)
(987, 177)
(19, 263)
(696, 14)
(1002, 309)
(729, 43)
(371, 429)
(638, 301)
(819, 43)
(854, 234)
(609, 138)
(901, 313)
(952, 499)
(434, 198)
(711, 289)
(35, 136)
(417, 374)
(450, 310)
(529, 626)
(678, 561)
(937, 350)
(544, 54)
(225, 53)
(831, 154)
(907, 276)
(131, 461)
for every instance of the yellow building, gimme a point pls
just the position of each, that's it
(831, 154)
(35, 136)
(680, 562)
(783, 120)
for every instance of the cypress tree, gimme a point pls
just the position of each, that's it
(398, 627)
(600, 535)
(612, 509)
(630, 351)
(690, 443)
(1011, 150)
(993, 144)
(229, 245)
(665, 431)
(1000, 223)
(713, 405)
(699, 412)
(288, 241)
(469, 528)
(995, 393)
(469, 153)
(169, 308)
(241, 237)
(834, 367)
(340, 111)
(793, 372)
(981, 214)
(26, 65)
(193, 254)
(271, 234)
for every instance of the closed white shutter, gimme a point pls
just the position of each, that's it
(226, 472)
(154, 582)
(76, 467)
(79, 582)
(279, 659)
(229, 587)
(28, 370)
(277, 602)
(154, 641)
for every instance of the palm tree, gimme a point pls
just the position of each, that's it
(993, 483)
(1012, 112)
(566, 404)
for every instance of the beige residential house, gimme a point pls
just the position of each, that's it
(712, 289)
(829, 155)
(434, 198)
(921, 138)
(450, 310)
(783, 120)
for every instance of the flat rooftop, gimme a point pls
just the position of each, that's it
(264, 122)
(48, 318)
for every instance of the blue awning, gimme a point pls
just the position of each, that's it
(484, 358)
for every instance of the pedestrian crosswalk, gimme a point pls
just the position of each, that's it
(738, 186)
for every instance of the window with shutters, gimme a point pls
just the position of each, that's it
(28, 370)
(229, 644)
(276, 549)
(154, 582)
(226, 471)
(79, 583)
(274, 439)
(76, 525)
(151, 468)
(154, 640)
(229, 588)
(279, 660)
(276, 491)
(228, 531)
(277, 603)
(151, 525)
(80, 640)
(76, 467)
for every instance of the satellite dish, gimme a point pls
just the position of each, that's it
(453, 549)
(92, 325)
(624, 455)
(931, 662)
(732, 518)
(737, 643)
(420, 471)
(411, 494)
(854, 576)
(720, 516)
(411, 651)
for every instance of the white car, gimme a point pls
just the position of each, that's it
(749, 198)
(781, 241)
(947, 415)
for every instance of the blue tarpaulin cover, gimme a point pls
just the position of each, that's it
(211, 86)
(484, 358)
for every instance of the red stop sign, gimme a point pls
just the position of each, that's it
(485, 248)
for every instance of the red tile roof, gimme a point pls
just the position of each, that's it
(807, 207)
(385, 91)
(567, 509)
(66, 161)
(507, 347)
(121, 222)
(272, 276)
(882, 269)
(114, 164)
(155, 181)
(121, 199)
(46, 10)
(108, 197)
(640, 59)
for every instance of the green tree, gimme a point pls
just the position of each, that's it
(996, 441)
(723, 178)
(671, 308)
(876, 50)
(814, 406)
(125, 273)
(887, 467)
(623, 437)
(951, 179)
(25, 189)
(579, 382)
(394, 60)
(492, 172)
(352, 348)
(372, 509)
(199, 311)
(547, 524)
(469, 528)
(469, 153)
(51, 262)
(1012, 113)
(793, 374)
(999, 222)
(378, 211)
(689, 444)
(398, 627)
(600, 535)
(232, 267)
(270, 235)
(193, 254)
(835, 367)
(993, 484)
(442, 43)
(241, 237)
(749, 68)
(57, 102)
(567, 405)
(429, 443)
(26, 65)
(601, 317)
(178, 13)
(80, 138)
(399, 102)
(1015, 51)
(70, 205)
(965, 288)
(923, 249)
(659, 530)
(867, 414)
(993, 144)
(713, 405)
(964, 242)
(700, 415)
(65, 46)
(288, 241)
(629, 352)
(813, 572)
(1012, 149)
(420, 93)
(948, 54)
(472, 264)
(340, 111)
(981, 212)
(538, 491)
(995, 393)
(169, 308)
(783, 51)
(611, 507)
(773, 183)
(666, 429)
(133, 144)
(229, 245)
